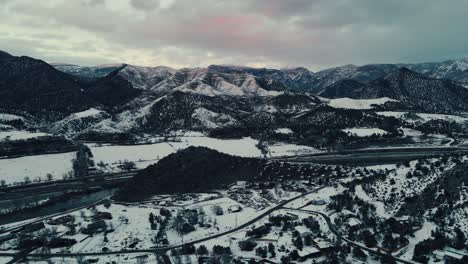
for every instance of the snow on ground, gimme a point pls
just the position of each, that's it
(14, 170)
(348, 103)
(245, 147)
(5, 259)
(106, 259)
(420, 235)
(412, 132)
(10, 117)
(220, 223)
(278, 237)
(138, 227)
(429, 117)
(87, 113)
(130, 224)
(392, 114)
(388, 194)
(323, 194)
(144, 155)
(290, 150)
(364, 131)
(209, 119)
(424, 117)
(21, 134)
(286, 131)
(379, 206)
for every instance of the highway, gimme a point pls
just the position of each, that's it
(348, 157)
(374, 156)
(63, 186)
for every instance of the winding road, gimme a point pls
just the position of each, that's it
(162, 251)
(350, 242)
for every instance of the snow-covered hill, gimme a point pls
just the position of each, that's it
(78, 122)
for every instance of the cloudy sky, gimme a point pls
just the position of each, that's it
(264, 33)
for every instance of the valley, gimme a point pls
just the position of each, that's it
(233, 164)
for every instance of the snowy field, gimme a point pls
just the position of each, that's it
(290, 150)
(17, 135)
(364, 131)
(144, 155)
(9, 117)
(424, 117)
(16, 169)
(362, 104)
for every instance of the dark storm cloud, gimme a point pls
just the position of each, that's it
(275, 33)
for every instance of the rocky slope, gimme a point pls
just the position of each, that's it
(413, 89)
(159, 99)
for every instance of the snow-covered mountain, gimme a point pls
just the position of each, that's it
(410, 88)
(145, 78)
(87, 73)
(79, 122)
(157, 99)
(218, 79)
(456, 70)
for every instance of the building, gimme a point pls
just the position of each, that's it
(33, 227)
(95, 227)
(292, 216)
(322, 244)
(450, 254)
(61, 220)
(241, 184)
(353, 223)
(234, 208)
(308, 253)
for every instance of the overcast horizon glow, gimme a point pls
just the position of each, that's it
(315, 34)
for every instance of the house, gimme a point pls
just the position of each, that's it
(322, 244)
(102, 215)
(450, 254)
(33, 227)
(61, 220)
(292, 216)
(234, 208)
(241, 184)
(353, 223)
(347, 213)
(95, 227)
(238, 185)
(309, 252)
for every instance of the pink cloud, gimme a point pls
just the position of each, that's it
(234, 30)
